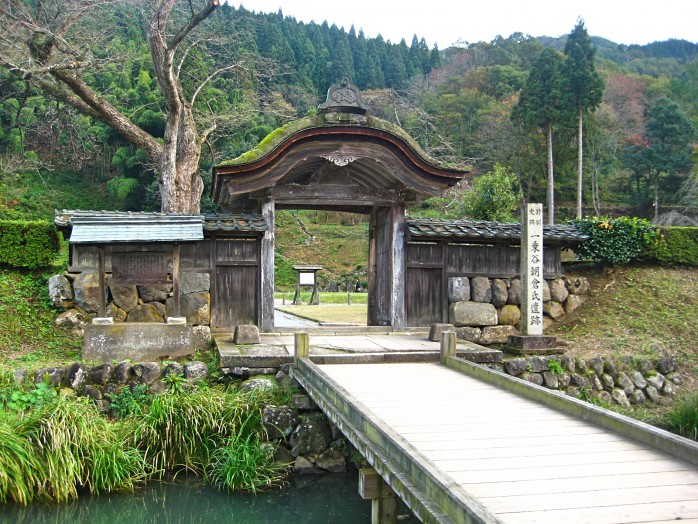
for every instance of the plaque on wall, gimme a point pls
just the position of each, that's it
(140, 267)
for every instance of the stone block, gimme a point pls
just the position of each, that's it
(497, 334)
(480, 290)
(195, 306)
(472, 314)
(125, 297)
(147, 372)
(471, 334)
(154, 292)
(201, 337)
(195, 370)
(558, 290)
(246, 334)
(578, 286)
(553, 309)
(514, 296)
(60, 291)
(137, 342)
(510, 315)
(573, 303)
(86, 290)
(458, 289)
(194, 283)
(145, 313)
(500, 293)
(436, 330)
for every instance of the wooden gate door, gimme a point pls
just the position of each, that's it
(424, 284)
(235, 297)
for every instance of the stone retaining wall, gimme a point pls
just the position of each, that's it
(624, 381)
(488, 310)
(79, 295)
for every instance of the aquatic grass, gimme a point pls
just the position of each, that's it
(180, 430)
(21, 471)
(79, 450)
(246, 462)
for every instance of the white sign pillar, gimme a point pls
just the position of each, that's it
(532, 270)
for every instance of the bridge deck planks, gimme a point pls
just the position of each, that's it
(524, 461)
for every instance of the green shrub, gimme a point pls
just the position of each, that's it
(675, 246)
(29, 244)
(130, 400)
(614, 240)
(496, 195)
(683, 418)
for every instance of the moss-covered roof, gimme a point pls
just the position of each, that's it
(281, 134)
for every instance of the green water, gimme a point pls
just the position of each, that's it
(327, 499)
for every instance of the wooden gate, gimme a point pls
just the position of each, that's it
(235, 286)
(425, 284)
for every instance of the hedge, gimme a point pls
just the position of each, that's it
(28, 244)
(614, 240)
(675, 246)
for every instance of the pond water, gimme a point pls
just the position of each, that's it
(326, 499)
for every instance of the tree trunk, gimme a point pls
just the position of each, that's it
(551, 176)
(580, 164)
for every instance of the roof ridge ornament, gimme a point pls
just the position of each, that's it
(343, 98)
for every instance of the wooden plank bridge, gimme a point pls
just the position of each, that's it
(462, 443)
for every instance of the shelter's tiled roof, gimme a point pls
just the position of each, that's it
(244, 222)
(483, 231)
(125, 226)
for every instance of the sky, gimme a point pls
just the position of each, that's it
(445, 22)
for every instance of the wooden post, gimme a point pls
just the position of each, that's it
(102, 283)
(301, 346)
(266, 308)
(382, 497)
(448, 345)
(175, 278)
(397, 269)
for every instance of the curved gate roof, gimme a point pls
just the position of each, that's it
(340, 158)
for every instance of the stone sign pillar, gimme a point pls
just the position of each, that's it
(532, 270)
(532, 282)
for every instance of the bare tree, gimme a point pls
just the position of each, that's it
(49, 43)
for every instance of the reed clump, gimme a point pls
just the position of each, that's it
(60, 446)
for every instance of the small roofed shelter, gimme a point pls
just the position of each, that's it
(219, 273)
(340, 159)
(143, 249)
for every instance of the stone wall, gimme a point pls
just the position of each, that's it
(78, 294)
(624, 381)
(488, 310)
(306, 437)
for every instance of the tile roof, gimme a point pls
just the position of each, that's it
(483, 231)
(125, 226)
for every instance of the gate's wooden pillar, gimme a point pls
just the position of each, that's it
(397, 267)
(266, 308)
